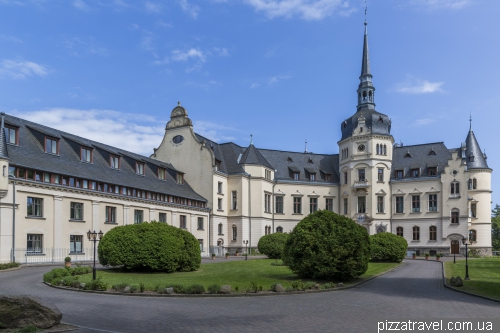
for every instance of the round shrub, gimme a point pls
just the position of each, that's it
(388, 247)
(272, 245)
(327, 246)
(150, 246)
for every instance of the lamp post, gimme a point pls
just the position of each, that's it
(93, 237)
(13, 217)
(464, 241)
(246, 249)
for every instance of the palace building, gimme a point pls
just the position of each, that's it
(56, 186)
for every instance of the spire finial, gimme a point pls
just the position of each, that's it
(305, 150)
(251, 139)
(366, 23)
(470, 120)
(179, 103)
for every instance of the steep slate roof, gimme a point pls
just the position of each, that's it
(473, 149)
(421, 157)
(30, 154)
(253, 156)
(378, 122)
(4, 154)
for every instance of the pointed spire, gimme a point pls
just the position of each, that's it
(366, 91)
(475, 158)
(4, 154)
(470, 120)
(251, 139)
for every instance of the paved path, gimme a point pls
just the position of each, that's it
(412, 291)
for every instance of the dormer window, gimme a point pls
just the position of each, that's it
(139, 168)
(86, 155)
(51, 145)
(328, 177)
(162, 174)
(471, 157)
(408, 154)
(432, 152)
(415, 173)
(310, 161)
(432, 171)
(399, 174)
(289, 159)
(312, 177)
(296, 176)
(114, 162)
(218, 165)
(11, 135)
(180, 178)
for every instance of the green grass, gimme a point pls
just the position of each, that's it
(484, 275)
(236, 274)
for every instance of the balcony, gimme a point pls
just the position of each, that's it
(361, 184)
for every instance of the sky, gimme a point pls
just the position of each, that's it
(285, 71)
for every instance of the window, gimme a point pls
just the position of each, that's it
(138, 216)
(432, 233)
(415, 204)
(472, 235)
(399, 174)
(76, 211)
(415, 173)
(345, 177)
(200, 241)
(380, 174)
(162, 217)
(346, 206)
(455, 189)
(432, 202)
(86, 155)
(218, 165)
(219, 187)
(219, 229)
(399, 231)
(267, 203)
(75, 244)
(329, 204)
(473, 209)
(279, 229)
(313, 205)
(297, 205)
(361, 175)
(474, 183)
(51, 145)
(182, 222)
(219, 204)
(162, 174)
(139, 168)
(35, 206)
(399, 204)
(432, 171)
(312, 177)
(279, 204)
(455, 215)
(201, 223)
(361, 204)
(177, 139)
(296, 176)
(114, 162)
(268, 174)
(235, 232)
(234, 200)
(380, 204)
(180, 178)
(34, 243)
(11, 135)
(328, 177)
(416, 233)
(111, 214)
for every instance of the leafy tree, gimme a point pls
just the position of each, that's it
(495, 228)
(388, 247)
(327, 246)
(272, 245)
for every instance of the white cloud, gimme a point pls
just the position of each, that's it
(21, 69)
(276, 79)
(439, 4)
(152, 7)
(424, 121)
(81, 5)
(191, 10)
(214, 132)
(164, 61)
(254, 86)
(221, 52)
(305, 9)
(179, 55)
(415, 86)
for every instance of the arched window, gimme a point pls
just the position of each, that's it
(370, 94)
(416, 233)
(279, 229)
(472, 235)
(364, 94)
(385, 150)
(235, 232)
(455, 215)
(474, 183)
(432, 233)
(399, 231)
(378, 147)
(471, 157)
(220, 229)
(455, 189)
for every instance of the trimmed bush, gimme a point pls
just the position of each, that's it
(213, 289)
(388, 247)
(272, 245)
(327, 246)
(153, 246)
(9, 265)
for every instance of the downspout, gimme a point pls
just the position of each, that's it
(274, 203)
(250, 211)
(13, 221)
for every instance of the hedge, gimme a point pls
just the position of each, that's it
(272, 245)
(388, 247)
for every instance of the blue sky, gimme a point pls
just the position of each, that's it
(282, 70)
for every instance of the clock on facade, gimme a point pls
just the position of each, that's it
(361, 147)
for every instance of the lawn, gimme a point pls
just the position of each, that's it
(484, 276)
(236, 274)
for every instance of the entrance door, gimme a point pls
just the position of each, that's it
(455, 247)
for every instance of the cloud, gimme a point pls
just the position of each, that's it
(424, 121)
(179, 55)
(191, 10)
(440, 4)
(415, 86)
(21, 69)
(254, 86)
(276, 79)
(81, 5)
(221, 52)
(79, 47)
(214, 132)
(147, 43)
(305, 9)
(152, 7)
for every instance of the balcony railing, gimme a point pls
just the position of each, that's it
(361, 183)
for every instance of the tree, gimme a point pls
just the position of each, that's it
(495, 228)
(327, 246)
(388, 247)
(272, 245)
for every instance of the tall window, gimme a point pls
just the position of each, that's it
(11, 135)
(182, 222)
(432, 233)
(219, 204)
(35, 207)
(297, 205)
(200, 241)
(179, 178)
(432, 171)
(34, 243)
(138, 216)
(75, 244)
(346, 206)
(473, 208)
(219, 187)
(345, 177)
(234, 200)
(219, 229)
(139, 168)
(201, 223)
(76, 211)
(86, 155)
(399, 231)
(312, 177)
(433, 203)
(380, 204)
(268, 174)
(361, 174)
(399, 174)
(110, 214)
(278, 204)
(267, 203)
(474, 183)
(114, 162)
(472, 235)
(279, 229)
(313, 205)
(329, 204)
(455, 189)
(416, 233)
(51, 145)
(235, 232)
(399, 204)
(415, 204)
(455, 215)
(162, 174)
(361, 204)
(296, 176)
(162, 217)
(380, 174)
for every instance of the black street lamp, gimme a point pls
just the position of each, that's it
(464, 242)
(246, 247)
(92, 236)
